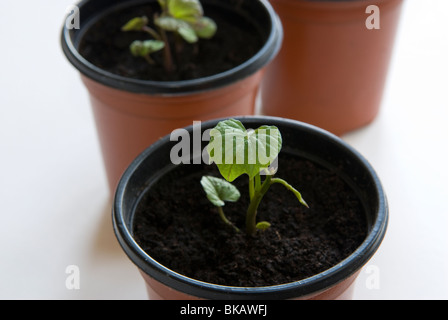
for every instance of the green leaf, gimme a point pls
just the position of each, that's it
(237, 151)
(188, 10)
(153, 45)
(263, 225)
(205, 28)
(188, 34)
(176, 25)
(169, 23)
(144, 48)
(219, 190)
(137, 48)
(135, 24)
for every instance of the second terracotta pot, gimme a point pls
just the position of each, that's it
(333, 65)
(131, 114)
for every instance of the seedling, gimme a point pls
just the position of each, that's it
(185, 18)
(237, 151)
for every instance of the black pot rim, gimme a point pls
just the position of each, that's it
(302, 288)
(257, 62)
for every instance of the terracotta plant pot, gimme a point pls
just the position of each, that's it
(299, 139)
(131, 114)
(332, 68)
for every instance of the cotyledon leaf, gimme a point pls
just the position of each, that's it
(219, 190)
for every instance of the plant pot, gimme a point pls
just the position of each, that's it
(130, 114)
(331, 70)
(299, 140)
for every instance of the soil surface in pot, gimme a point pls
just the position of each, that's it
(180, 228)
(107, 47)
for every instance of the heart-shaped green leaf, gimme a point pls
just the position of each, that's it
(169, 23)
(237, 151)
(183, 28)
(188, 34)
(205, 28)
(188, 10)
(219, 190)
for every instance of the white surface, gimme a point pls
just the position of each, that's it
(53, 191)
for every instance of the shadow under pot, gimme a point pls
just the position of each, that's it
(174, 236)
(135, 103)
(333, 65)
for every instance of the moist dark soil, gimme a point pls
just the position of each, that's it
(179, 228)
(107, 47)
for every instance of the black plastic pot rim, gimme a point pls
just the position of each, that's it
(309, 286)
(269, 50)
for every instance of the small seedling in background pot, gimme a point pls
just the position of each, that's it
(185, 18)
(237, 151)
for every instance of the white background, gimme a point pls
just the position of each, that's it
(55, 205)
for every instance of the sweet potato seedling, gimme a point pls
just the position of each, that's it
(185, 18)
(237, 151)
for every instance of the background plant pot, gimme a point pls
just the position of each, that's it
(299, 139)
(331, 69)
(131, 114)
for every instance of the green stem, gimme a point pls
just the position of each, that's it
(251, 215)
(151, 32)
(179, 45)
(254, 185)
(165, 10)
(290, 188)
(226, 221)
(251, 188)
(168, 60)
(257, 182)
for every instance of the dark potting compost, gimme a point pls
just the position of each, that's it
(178, 227)
(107, 47)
